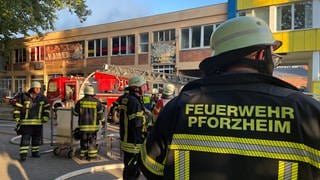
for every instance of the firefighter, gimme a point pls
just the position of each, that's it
(154, 97)
(91, 116)
(167, 94)
(238, 121)
(133, 125)
(31, 110)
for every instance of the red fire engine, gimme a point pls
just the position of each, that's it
(108, 88)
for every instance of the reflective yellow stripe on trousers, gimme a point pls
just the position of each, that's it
(250, 147)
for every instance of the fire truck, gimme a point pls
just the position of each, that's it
(108, 87)
(109, 84)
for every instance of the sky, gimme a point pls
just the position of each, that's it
(106, 11)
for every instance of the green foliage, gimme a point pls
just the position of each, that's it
(23, 16)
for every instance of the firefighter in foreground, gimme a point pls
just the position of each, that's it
(133, 125)
(90, 112)
(167, 95)
(238, 121)
(31, 110)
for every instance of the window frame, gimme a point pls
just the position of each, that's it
(293, 17)
(164, 35)
(98, 48)
(20, 55)
(186, 41)
(129, 47)
(144, 44)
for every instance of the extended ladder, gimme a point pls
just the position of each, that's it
(154, 77)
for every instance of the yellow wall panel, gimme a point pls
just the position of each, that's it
(310, 40)
(317, 39)
(249, 4)
(284, 38)
(298, 41)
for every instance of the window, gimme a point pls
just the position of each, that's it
(197, 36)
(294, 16)
(37, 53)
(97, 47)
(144, 42)
(5, 83)
(262, 13)
(166, 35)
(20, 83)
(164, 69)
(20, 55)
(123, 45)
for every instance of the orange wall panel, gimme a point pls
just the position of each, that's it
(194, 55)
(122, 60)
(143, 59)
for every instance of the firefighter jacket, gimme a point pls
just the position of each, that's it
(31, 111)
(133, 122)
(90, 112)
(235, 126)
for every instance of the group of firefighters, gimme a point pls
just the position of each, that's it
(237, 122)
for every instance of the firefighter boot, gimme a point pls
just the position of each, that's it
(23, 157)
(36, 154)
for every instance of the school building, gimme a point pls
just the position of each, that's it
(173, 43)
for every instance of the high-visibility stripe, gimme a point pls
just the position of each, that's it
(151, 164)
(181, 165)
(130, 147)
(287, 170)
(285, 150)
(89, 127)
(27, 105)
(30, 122)
(41, 103)
(23, 149)
(35, 148)
(18, 105)
(123, 108)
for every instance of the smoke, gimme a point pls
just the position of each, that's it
(104, 11)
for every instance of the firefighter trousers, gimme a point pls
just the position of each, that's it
(88, 145)
(131, 170)
(30, 133)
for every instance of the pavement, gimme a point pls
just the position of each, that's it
(57, 165)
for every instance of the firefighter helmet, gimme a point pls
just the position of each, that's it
(155, 91)
(137, 81)
(169, 89)
(88, 90)
(35, 84)
(242, 32)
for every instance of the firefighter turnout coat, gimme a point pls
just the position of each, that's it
(29, 111)
(90, 112)
(235, 126)
(133, 122)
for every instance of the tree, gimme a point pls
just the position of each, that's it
(23, 16)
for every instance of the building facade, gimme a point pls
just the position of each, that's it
(173, 43)
(297, 24)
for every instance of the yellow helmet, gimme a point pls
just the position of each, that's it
(35, 84)
(88, 90)
(169, 89)
(137, 81)
(242, 32)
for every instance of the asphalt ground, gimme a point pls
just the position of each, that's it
(52, 165)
